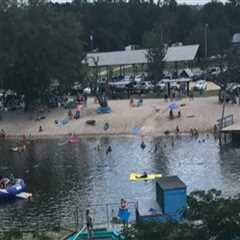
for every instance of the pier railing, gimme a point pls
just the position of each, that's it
(225, 122)
(104, 215)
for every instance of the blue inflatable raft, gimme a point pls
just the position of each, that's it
(13, 191)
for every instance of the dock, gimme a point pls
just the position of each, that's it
(235, 128)
(228, 131)
(231, 134)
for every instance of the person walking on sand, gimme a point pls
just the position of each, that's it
(131, 102)
(191, 132)
(179, 113)
(177, 130)
(70, 114)
(40, 129)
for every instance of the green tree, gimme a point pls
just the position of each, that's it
(209, 216)
(39, 44)
(156, 52)
(220, 216)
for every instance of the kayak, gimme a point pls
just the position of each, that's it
(138, 176)
(12, 191)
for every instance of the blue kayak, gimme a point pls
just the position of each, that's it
(12, 191)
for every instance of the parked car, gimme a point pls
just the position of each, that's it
(214, 71)
(139, 78)
(161, 85)
(167, 75)
(128, 78)
(175, 86)
(87, 90)
(146, 85)
(201, 85)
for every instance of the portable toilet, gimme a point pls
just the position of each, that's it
(172, 197)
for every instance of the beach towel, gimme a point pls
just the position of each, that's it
(62, 122)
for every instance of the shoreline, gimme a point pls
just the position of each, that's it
(101, 135)
(151, 119)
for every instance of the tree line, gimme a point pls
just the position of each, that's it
(115, 24)
(41, 41)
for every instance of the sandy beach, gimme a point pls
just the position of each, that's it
(152, 118)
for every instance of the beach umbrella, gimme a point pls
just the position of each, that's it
(172, 106)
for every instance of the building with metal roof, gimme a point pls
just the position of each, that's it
(181, 53)
(117, 58)
(131, 57)
(171, 182)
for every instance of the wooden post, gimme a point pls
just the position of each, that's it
(188, 87)
(168, 89)
(222, 119)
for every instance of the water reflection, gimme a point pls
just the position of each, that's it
(62, 177)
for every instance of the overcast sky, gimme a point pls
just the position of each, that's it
(179, 1)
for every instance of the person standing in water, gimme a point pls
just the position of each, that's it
(89, 223)
(143, 145)
(109, 150)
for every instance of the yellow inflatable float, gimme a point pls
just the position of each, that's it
(144, 176)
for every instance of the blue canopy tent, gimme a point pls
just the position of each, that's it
(173, 106)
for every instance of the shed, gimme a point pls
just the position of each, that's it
(171, 195)
(170, 202)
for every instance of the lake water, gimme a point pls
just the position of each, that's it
(64, 177)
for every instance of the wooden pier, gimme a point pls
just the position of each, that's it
(231, 134)
(224, 128)
(227, 130)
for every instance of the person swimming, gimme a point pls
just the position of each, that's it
(143, 145)
(144, 175)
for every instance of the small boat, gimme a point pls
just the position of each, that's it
(14, 149)
(140, 176)
(73, 140)
(16, 190)
(18, 149)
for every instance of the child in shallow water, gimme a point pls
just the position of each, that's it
(143, 145)
(109, 150)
